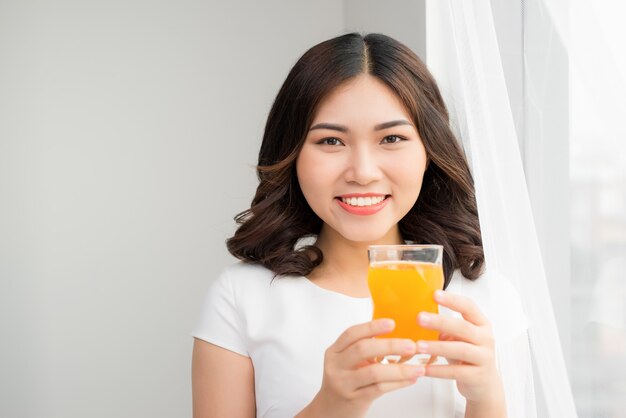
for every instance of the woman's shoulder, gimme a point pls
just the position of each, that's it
(239, 287)
(497, 298)
(243, 270)
(490, 281)
(245, 275)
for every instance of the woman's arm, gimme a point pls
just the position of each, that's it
(222, 383)
(493, 408)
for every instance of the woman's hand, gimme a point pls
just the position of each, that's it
(353, 378)
(469, 347)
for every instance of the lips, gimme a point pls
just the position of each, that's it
(363, 203)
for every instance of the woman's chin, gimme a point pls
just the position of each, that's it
(367, 237)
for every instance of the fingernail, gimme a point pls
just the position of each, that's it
(424, 318)
(388, 324)
(439, 295)
(422, 347)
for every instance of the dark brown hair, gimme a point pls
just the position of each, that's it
(445, 212)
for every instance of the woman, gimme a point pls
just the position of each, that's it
(357, 151)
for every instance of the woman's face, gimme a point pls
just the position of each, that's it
(362, 163)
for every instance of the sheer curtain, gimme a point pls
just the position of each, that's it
(598, 218)
(463, 55)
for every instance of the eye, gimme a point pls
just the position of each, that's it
(330, 141)
(392, 139)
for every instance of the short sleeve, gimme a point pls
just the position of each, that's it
(220, 321)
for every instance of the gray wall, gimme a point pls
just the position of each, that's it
(405, 20)
(128, 131)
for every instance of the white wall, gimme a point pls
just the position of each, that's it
(127, 134)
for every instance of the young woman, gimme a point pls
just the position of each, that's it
(357, 151)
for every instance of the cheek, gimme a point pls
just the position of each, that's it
(311, 177)
(317, 170)
(409, 167)
(408, 174)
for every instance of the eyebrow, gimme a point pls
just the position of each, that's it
(344, 129)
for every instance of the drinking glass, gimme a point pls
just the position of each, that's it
(402, 280)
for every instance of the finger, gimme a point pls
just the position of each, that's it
(377, 389)
(462, 304)
(446, 337)
(380, 373)
(450, 325)
(360, 331)
(444, 371)
(454, 350)
(369, 348)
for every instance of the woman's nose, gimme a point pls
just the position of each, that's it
(363, 168)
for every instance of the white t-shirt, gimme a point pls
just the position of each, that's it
(285, 325)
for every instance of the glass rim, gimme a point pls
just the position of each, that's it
(403, 246)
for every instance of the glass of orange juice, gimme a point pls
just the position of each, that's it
(402, 280)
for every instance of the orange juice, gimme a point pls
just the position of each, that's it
(401, 290)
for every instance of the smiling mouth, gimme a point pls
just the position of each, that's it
(363, 201)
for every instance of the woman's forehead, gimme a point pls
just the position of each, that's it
(364, 98)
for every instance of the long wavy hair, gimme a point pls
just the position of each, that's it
(445, 212)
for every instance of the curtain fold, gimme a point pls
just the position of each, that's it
(463, 55)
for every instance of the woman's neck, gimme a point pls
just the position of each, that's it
(345, 263)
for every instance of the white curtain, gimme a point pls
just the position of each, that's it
(462, 53)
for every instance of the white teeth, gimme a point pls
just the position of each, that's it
(362, 201)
